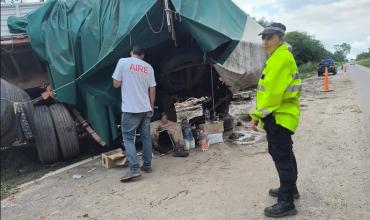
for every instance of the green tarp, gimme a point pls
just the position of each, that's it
(82, 40)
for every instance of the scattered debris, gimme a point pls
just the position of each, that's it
(235, 136)
(215, 138)
(245, 95)
(246, 137)
(87, 216)
(180, 152)
(91, 170)
(202, 138)
(190, 104)
(214, 127)
(77, 176)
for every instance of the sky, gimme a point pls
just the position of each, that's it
(330, 21)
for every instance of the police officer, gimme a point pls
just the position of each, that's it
(277, 111)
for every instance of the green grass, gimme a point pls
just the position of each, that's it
(364, 62)
(307, 70)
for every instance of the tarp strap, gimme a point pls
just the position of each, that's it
(170, 23)
(176, 14)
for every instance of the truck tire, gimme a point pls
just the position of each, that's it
(66, 131)
(8, 137)
(179, 60)
(10, 94)
(45, 136)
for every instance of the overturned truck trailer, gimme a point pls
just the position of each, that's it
(197, 48)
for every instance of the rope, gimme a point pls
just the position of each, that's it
(65, 85)
(150, 26)
(40, 97)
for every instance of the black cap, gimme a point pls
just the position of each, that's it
(138, 50)
(274, 28)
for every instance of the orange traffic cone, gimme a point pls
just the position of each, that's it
(326, 80)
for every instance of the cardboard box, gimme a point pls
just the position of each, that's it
(113, 158)
(214, 127)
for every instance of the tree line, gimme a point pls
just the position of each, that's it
(364, 55)
(307, 49)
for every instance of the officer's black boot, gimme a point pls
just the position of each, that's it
(275, 193)
(280, 209)
(285, 205)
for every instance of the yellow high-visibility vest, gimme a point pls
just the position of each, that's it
(278, 90)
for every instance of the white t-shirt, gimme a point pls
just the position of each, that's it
(136, 76)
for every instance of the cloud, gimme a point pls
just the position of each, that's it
(361, 46)
(330, 21)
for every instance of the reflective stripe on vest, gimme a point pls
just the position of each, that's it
(261, 88)
(265, 112)
(296, 88)
(296, 76)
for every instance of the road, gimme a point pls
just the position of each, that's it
(228, 181)
(360, 75)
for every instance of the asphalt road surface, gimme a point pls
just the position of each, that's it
(360, 75)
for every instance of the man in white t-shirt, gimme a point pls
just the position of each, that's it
(137, 82)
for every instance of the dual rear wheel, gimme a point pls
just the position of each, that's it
(55, 133)
(52, 127)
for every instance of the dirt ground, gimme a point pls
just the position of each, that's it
(20, 165)
(229, 181)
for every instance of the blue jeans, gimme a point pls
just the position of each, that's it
(130, 123)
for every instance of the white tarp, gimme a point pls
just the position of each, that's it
(243, 67)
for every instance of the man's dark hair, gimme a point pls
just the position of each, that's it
(137, 50)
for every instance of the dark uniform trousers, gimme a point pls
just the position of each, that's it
(280, 147)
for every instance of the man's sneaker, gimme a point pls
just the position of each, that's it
(130, 175)
(275, 193)
(281, 209)
(146, 169)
